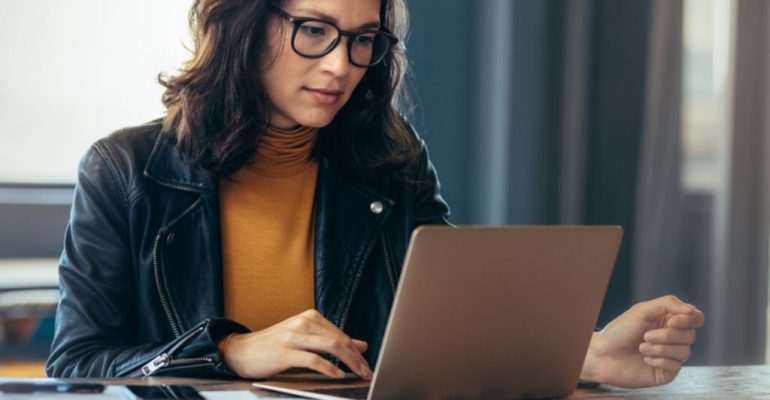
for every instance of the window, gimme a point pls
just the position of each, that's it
(74, 71)
(707, 87)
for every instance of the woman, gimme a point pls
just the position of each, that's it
(279, 191)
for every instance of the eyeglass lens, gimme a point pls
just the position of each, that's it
(316, 38)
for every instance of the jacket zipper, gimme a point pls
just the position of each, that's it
(160, 277)
(166, 359)
(159, 284)
(388, 265)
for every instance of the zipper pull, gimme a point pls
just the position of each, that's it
(156, 364)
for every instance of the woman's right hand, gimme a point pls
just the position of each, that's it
(294, 343)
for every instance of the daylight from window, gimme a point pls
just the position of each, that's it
(76, 71)
(706, 91)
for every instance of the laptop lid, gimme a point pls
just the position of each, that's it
(494, 312)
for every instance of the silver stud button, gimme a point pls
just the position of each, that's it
(376, 207)
(170, 238)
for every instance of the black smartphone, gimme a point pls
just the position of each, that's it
(162, 392)
(49, 387)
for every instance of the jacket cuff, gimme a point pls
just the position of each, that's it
(195, 353)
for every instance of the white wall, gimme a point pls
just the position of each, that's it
(72, 71)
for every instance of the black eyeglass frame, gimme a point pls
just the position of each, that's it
(298, 21)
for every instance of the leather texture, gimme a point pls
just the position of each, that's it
(141, 275)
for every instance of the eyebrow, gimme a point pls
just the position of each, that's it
(324, 16)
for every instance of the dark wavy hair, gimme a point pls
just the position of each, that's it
(218, 109)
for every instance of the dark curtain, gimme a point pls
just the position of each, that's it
(448, 69)
(569, 112)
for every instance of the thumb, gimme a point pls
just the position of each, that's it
(655, 308)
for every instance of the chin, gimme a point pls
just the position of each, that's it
(317, 120)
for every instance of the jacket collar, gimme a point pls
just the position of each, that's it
(347, 225)
(166, 166)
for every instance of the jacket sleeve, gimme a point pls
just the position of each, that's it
(97, 320)
(429, 207)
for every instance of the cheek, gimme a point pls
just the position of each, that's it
(282, 75)
(285, 65)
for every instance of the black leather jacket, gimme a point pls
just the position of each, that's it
(140, 274)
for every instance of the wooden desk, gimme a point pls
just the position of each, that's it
(751, 382)
(707, 383)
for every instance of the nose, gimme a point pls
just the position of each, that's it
(337, 61)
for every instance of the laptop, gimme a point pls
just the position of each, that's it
(485, 312)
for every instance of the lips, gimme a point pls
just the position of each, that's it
(324, 96)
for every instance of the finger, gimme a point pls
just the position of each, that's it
(315, 362)
(679, 352)
(663, 363)
(360, 345)
(654, 309)
(312, 322)
(670, 336)
(667, 369)
(337, 347)
(686, 321)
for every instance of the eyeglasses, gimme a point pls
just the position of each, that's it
(315, 38)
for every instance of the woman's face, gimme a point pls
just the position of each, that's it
(310, 91)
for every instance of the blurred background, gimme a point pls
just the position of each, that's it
(650, 114)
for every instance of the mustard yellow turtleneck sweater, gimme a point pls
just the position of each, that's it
(266, 214)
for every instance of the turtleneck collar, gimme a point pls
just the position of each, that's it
(283, 153)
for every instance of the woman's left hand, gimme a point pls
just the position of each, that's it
(644, 346)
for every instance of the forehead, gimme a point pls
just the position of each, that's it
(346, 13)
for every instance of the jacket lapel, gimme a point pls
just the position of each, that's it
(348, 220)
(166, 167)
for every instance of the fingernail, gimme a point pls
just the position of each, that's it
(366, 372)
(644, 347)
(340, 373)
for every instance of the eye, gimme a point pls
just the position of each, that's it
(365, 40)
(314, 30)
